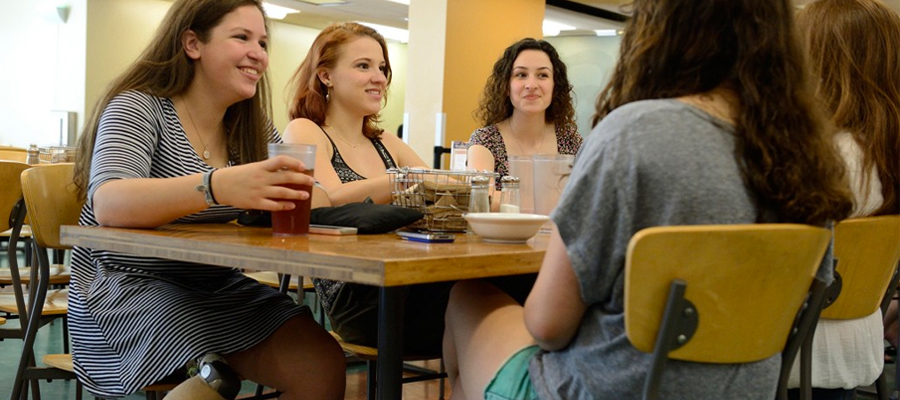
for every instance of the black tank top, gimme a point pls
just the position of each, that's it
(347, 174)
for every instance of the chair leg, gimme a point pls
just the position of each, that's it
(881, 389)
(371, 369)
(443, 377)
(65, 332)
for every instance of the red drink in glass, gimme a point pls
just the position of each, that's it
(296, 221)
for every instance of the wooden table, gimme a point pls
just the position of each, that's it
(380, 260)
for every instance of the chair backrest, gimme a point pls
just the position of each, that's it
(13, 154)
(747, 283)
(51, 201)
(867, 251)
(10, 171)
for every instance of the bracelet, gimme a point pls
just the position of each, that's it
(205, 187)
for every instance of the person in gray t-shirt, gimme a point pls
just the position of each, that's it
(707, 120)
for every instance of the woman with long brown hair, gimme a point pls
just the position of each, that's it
(707, 119)
(339, 89)
(854, 51)
(181, 137)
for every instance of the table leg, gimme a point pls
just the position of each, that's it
(390, 344)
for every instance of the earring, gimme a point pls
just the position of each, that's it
(328, 96)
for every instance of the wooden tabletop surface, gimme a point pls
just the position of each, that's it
(381, 260)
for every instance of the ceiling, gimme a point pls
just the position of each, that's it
(585, 15)
(393, 14)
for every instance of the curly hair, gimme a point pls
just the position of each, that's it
(308, 99)
(495, 105)
(854, 49)
(164, 70)
(674, 48)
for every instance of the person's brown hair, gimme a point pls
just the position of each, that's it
(164, 70)
(674, 48)
(309, 92)
(495, 105)
(854, 50)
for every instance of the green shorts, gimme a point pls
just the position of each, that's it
(513, 382)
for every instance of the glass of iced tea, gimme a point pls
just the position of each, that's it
(296, 221)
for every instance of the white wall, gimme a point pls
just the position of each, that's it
(42, 64)
(67, 66)
(590, 61)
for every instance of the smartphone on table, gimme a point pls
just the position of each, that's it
(331, 230)
(427, 237)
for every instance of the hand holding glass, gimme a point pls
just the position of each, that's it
(296, 221)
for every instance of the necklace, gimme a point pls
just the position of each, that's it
(519, 140)
(206, 153)
(348, 143)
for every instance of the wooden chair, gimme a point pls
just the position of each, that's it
(15, 304)
(51, 201)
(370, 356)
(10, 169)
(721, 293)
(867, 251)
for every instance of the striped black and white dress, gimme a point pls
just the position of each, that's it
(135, 320)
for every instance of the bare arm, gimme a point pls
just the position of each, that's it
(151, 202)
(302, 130)
(554, 309)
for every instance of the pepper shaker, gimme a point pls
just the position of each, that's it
(509, 194)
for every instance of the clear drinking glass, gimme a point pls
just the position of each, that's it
(296, 221)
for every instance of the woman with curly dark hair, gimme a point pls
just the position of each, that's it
(707, 119)
(526, 109)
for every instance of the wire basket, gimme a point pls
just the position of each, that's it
(443, 196)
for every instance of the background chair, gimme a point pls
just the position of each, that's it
(688, 296)
(15, 304)
(867, 251)
(51, 200)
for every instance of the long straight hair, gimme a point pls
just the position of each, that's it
(164, 70)
(854, 49)
(309, 98)
(674, 48)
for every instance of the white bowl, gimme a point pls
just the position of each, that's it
(505, 227)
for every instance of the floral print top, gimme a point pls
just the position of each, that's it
(568, 141)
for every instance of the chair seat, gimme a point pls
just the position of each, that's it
(61, 361)
(270, 279)
(64, 362)
(368, 353)
(2, 320)
(25, 232)
(57, 303)
(59, 275)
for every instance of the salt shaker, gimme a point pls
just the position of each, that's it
(479, 201)
(509, 194)
(34, 155)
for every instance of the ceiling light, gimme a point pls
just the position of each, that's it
(400, 1)
(389, 32)
(606, 32)
(552, 28)
(277, 12)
